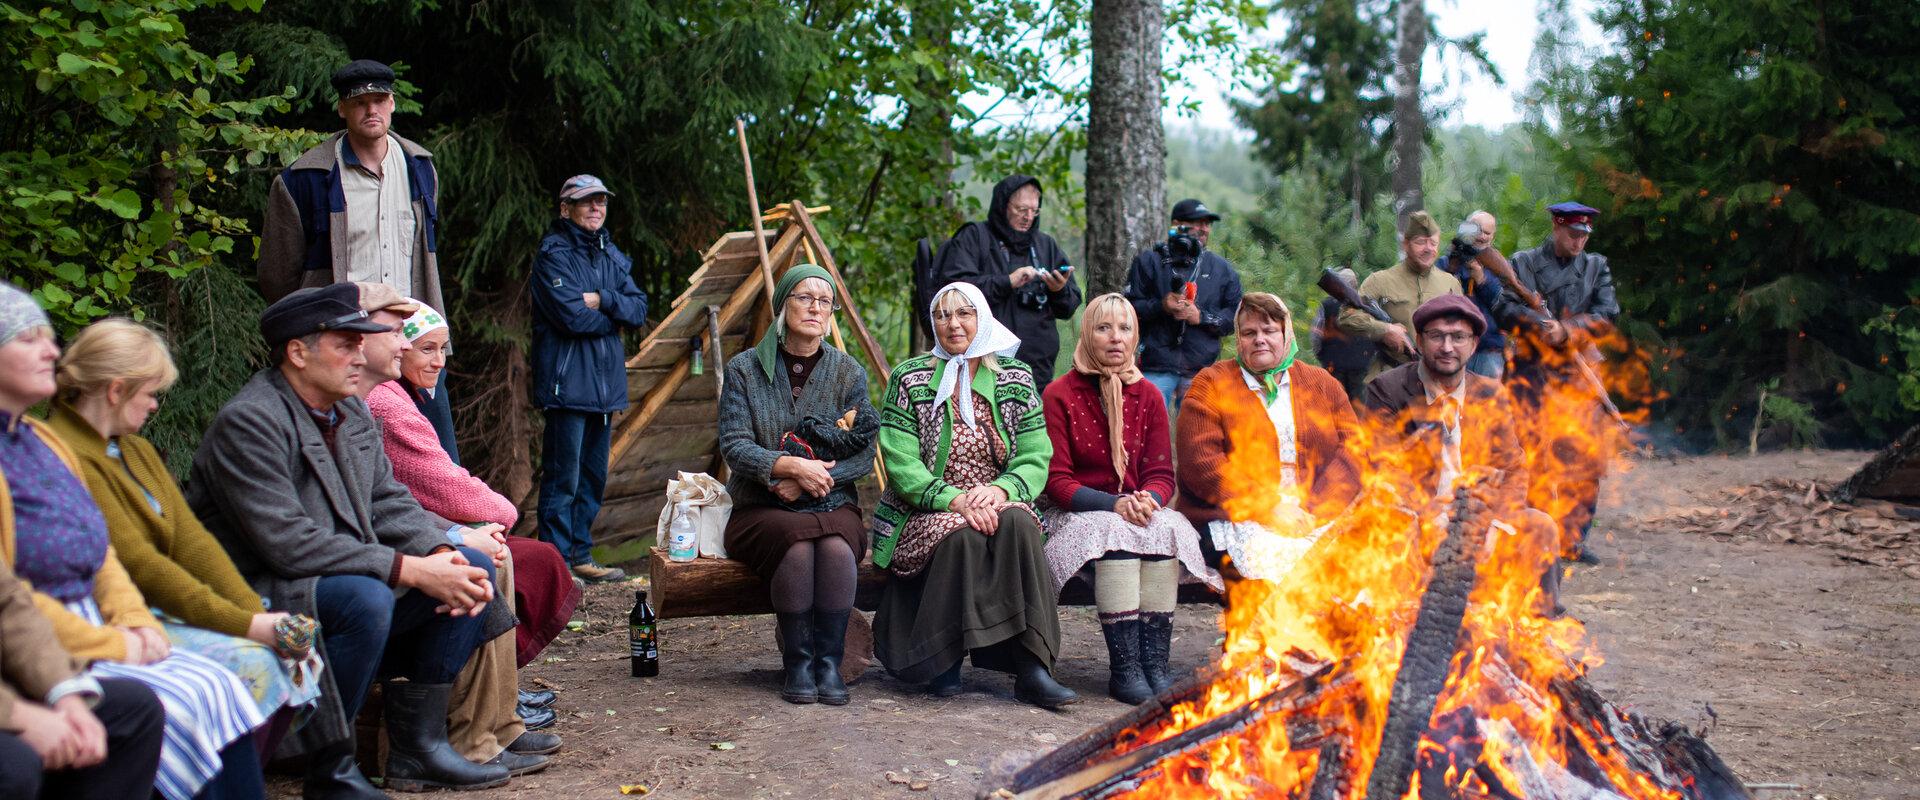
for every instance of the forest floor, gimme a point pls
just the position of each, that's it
(1808, 662)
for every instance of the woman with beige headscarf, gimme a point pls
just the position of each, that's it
(1108, 485)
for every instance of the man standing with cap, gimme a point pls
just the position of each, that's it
(583, 296)
(292, 480)
(1577, 289)
(361, 206)
(1399, 290)
(1185, 296)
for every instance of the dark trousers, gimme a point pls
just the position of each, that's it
(368, 633)
(135, 722)
(573, 478)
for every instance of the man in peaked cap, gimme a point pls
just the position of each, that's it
(360, 206)
(1576, 286)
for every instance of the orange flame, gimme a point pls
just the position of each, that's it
(1353, 598)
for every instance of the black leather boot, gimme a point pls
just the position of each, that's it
(539, 698)
(418, 755)
(948, 684)
(1125, 680)
(1033, 684)
(1156, 642)
(333, 775)
(829, 644)
(796, 657)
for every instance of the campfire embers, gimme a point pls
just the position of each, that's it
(1465, 716)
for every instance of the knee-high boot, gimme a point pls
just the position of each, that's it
(418, 755)
(796, 657)
(829, 644)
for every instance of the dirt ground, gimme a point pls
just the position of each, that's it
(1809, 663)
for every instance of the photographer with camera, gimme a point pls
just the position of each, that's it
(1023, 273)
(1474, 235)
(1185, 296)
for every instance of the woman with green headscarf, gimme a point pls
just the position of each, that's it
(797, 431)
(1271, 433)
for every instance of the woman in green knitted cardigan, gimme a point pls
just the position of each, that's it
(964, 443)
(109, 380)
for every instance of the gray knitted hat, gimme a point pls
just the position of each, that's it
(18, 313)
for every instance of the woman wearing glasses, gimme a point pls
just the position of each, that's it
(797, 432)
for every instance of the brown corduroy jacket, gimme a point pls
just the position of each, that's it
(1226, 446)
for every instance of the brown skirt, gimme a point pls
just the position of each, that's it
(760, 535)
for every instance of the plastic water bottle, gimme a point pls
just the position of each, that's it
(683, 540)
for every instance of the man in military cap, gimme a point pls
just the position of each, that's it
(360, 206)
(1577, 289)
(1400, 289)
(1180, 332)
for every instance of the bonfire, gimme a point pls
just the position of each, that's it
(1400, 652)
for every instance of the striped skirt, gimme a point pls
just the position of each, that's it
(207, 706)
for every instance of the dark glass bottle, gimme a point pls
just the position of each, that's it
(642, 646)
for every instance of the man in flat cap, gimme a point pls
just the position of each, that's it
(1399, 290)
(1576, 287)
(1180, 332)
(292, 480)
(360, 206)
(1467, 422)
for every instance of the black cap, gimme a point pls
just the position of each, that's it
(1190, 210)
(362, 76)
(315, 310)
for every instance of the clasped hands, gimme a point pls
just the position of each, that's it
(1180, 308)
(1137, 508)
(794, 476)
(65, 735)
(980, 506)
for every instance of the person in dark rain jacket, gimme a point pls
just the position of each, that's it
(583, 297)
(1019, 269)
(1180, 333)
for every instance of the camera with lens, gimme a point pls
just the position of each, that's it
(1463, 238)
(1181, 249)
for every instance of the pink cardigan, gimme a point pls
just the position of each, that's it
(422, 465)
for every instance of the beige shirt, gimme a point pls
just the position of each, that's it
(1399, 289)
(380, 222)
(1451, 402)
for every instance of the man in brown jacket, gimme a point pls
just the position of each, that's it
(63, 733)
(1467, 422)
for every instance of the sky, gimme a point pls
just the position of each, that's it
(1510, 25)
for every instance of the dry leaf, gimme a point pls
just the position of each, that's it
(722, 745)
(635, 788)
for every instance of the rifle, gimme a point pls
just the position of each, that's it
(1350, 297)
(1536, 312)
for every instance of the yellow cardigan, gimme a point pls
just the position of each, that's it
(120, 602)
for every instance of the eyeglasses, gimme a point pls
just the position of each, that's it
(810, 301)
(596, 201)
(964, 313)
(1438, 338)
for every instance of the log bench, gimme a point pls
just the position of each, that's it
(712, 587)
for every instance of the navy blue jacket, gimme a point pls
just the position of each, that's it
(1486, 295)
(1168, 344)
(579, 363)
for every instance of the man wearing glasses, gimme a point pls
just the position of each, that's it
(1466, 422)
(1399, 290)
(583, 297)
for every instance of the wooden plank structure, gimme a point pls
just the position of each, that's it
(669, 428)
(1894, 474)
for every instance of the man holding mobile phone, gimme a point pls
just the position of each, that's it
(1186, 296)
(1023, 272)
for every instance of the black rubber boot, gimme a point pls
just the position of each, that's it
(1156, 643)
(1033, 684)
(829, 644)
(1550, 592)
(796, 657)
(948, 684)
(333, 775)
(418, 755)
(1125, 682)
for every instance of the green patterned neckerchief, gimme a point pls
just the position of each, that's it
(1269, 385)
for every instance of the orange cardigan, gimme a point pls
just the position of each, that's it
(1226, 447)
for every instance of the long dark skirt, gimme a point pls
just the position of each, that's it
(976, 592)
(760, 535)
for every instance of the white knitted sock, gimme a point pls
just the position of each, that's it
(1116, 589)
(1159, 585)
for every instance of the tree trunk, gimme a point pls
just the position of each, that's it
(933, 22)
(1409, 125)
(1126, 148)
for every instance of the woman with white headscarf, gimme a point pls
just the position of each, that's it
(965, 446)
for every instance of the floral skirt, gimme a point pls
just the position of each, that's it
(1077, 537)
(274, 682)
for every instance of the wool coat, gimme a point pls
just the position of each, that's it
(755, 412)
(1226, 445)
(31, 660)
(1488, 441)
(290, 510)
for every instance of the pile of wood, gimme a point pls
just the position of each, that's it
(1865, 531)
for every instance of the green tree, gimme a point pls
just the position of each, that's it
(113, 148)
(1755, 166)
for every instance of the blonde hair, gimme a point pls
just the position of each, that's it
(114, 349)
(950, 301)
(1110, 307)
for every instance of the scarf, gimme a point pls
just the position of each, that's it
(18, 313)
(767, 351)
(997, 213)
(1270, 385)
(1113, 380)
(989, 337)
(424, 321)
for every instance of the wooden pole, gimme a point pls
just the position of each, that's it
(753, 200)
